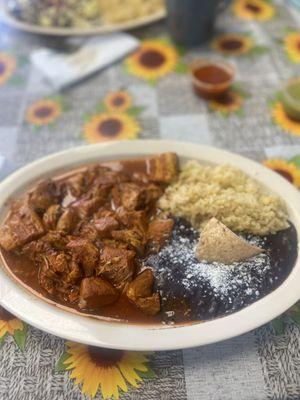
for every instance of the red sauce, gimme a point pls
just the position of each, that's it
(212, 74)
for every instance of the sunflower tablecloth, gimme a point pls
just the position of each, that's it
(149, 95)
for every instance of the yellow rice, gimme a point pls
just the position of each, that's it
(228, 194)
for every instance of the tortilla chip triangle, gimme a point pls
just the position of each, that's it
(218, 243)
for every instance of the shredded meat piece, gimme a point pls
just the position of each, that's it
(163, 167)
(76, 184)
(149, 305)
(44, 195)
(22, 226)
(74, 273)
(85, 254)
(132, 219)
(68, 221)
(134, 238)
(88, 231)
(96, 293)
(142, 285)
(59, 275)
(159, 232)
(135, 196)
(117, 266)
(153, 193)
(105, 225)
(58, 262)
(92, 201)
(129, 195)
(47, 278)
(53, 240)
(51, 216)
(108, 177)
(139, 291)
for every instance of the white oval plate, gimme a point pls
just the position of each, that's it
(87, 330)
(12, 21)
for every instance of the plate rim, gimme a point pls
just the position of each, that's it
(137, 337)
(13, 22)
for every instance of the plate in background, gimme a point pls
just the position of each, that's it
(12, 21)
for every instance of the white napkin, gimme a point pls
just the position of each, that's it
(62, 69)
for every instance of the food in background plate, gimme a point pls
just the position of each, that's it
(116, 11)
(129, 240)
(82, 13)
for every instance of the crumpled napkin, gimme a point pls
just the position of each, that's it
(63, 69)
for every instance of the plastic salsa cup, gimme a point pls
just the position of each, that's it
(290, 97)
(211, 77)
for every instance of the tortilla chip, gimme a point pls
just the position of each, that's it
(218, 243)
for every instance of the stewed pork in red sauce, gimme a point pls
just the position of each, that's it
(81, 240)
(94, 240)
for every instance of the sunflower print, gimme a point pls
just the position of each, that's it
(230, 102)
(108, 126)
(118, 101)
(286, 169)
(153, 60)
(10, 325)
(259, 10)
(233, 44)
(44, 112)
(107, 371)
(8, 65)
(281, 119)
(292, 46)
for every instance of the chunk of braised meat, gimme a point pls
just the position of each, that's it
(139, 292)
(149, 305)
(117, 266)
(132, 219)
(159, 232)
(113, 243)
(59, 275)
(91, 201)
(129, 195)
(22, 226)
(140, 177)
(85, 253)
(52, 241)
(105, 225)
(58, 262)
(76, 184)
(74, 273)
(80, 182)
(142, 285)
(163, 167)
(55, 239)
(67, 221)
(87, 230)
(51, 216)
(44, 195)
(134, 239)
(109, 177)
(135, 196)
(48, 278)
(95, 293)
(153, 193)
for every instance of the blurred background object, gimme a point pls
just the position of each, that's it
(295, 3)
(82, 13)
(191, 22)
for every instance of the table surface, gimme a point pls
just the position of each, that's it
(263, 364)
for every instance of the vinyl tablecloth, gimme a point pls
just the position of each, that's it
(149, 95)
